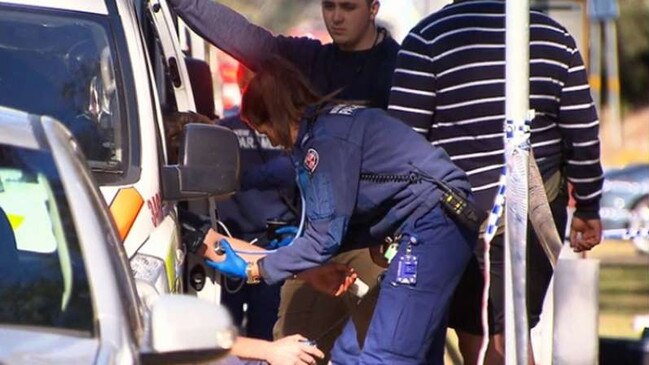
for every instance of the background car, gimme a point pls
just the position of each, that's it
(625, 201)
(68, 293)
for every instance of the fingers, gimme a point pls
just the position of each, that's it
(286, 241)
(225, 245)
(304, 356)
(297, 338)
(585, 233)
(272, 244)
(584, 240)
(577, 242)
(580, 244)
(313, 351)
(346, 283)
(286, 229)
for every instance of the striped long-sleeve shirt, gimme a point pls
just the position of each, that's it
(449, 85)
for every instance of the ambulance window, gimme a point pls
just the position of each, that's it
(63, 65)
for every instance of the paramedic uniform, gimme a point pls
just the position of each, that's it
(366, 176)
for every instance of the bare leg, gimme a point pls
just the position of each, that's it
(470, 348)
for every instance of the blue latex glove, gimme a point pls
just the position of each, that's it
(233, 265)
(286, 235)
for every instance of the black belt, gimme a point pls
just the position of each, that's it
(462, 210)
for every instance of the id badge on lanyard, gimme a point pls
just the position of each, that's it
(407, 265)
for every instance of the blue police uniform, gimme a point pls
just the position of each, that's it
(365, 176)
(245, 214)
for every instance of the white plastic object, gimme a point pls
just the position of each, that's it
(359, 288)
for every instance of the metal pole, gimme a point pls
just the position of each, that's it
(613, 82)
(517, 149)
(595, 69)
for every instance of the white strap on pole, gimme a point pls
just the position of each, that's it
(541, 215)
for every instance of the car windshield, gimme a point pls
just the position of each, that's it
(43, 281)
(63, 66)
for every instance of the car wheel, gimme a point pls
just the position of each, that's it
(640, 220)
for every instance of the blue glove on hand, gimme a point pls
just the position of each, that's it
(285, 235)
(233, 265)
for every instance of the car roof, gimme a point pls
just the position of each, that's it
(88, 6)
(24, 345)
(18, 129)
(641, 169)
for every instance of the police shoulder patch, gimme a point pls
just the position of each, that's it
(345, 109)
(311, 160)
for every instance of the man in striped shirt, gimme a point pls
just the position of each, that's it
(449, 85)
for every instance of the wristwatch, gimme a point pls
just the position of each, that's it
(251, 279)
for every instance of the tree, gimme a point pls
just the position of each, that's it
(633, 26)
(276, 15)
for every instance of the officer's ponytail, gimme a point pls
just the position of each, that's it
(278, 94)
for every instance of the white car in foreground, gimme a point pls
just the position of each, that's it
(67, 292)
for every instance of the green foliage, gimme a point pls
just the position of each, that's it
(633, 27)
(276, 15)
(624, 293)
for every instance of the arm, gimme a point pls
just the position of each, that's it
(330, 194)
(288, 350)
(331, 278)
(412, 96)
(580, 130)
(235, 35)
(211, 239)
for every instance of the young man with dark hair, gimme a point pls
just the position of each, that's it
(360, 61)
(358, 65)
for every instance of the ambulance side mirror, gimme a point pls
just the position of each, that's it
(208, 165)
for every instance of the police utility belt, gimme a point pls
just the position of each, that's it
(463, 211)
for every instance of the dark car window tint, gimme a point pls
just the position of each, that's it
(43, 280)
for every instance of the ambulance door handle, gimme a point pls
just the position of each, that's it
(173, 70)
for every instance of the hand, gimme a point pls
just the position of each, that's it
(233, 265)
(585, 233)
(286, 235)
(290, 351)
(331, 278)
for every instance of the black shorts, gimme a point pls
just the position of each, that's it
(466, 306)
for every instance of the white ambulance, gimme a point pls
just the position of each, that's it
(109, 70)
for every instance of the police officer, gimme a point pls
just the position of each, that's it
(364, 176)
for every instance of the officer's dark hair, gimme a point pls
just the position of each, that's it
(278, 94)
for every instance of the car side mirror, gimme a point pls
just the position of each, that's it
(208, 164)
(205, 335)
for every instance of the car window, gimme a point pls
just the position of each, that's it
(63, 65)
(43, 282)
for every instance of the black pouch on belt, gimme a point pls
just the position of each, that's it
(463, 211)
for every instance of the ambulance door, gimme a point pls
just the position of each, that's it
(201, 280)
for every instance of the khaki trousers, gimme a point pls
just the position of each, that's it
(320, 317)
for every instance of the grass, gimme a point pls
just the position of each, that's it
(624, 293)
